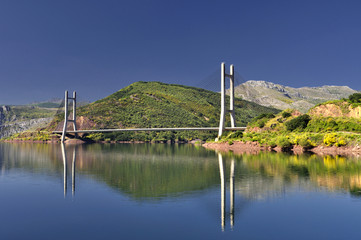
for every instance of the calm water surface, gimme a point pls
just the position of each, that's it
(161, 191)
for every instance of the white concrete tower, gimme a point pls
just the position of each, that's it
(223, 99)
(231, 96)
(66, 120)
(65, 116)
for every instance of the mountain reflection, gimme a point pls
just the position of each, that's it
(276, 171)
(154, 171)
(143, 176)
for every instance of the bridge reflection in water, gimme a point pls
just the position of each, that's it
(224, 192)
(63, 152)
(221, 172)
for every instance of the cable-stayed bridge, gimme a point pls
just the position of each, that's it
(223, 110)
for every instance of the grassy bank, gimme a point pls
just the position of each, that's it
(287, 140)
(290, 128)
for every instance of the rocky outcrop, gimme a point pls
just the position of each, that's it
(282, 97)
(7, 130)
(81, 123)
(336, 110)
(15, 119)
(4, 114)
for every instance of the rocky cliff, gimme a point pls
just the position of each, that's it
(15, 119)
(283, 97)
(5, 115)
(7, 130)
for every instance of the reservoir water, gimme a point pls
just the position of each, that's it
(160, 191)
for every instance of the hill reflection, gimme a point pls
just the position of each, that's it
(147, 171)
(331, 173)
(154, 171)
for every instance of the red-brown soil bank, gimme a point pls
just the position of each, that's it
(254, 148)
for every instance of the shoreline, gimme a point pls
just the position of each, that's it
(237, 147)
(80, 141)
(255, 148)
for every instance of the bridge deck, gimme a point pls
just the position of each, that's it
(154, 129)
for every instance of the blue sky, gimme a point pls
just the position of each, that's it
(99, 47)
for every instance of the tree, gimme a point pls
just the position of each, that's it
(355, 98)
(299, 122)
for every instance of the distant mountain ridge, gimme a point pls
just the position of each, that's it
(282, 97)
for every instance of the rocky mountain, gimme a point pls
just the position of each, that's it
(15, 119)
(282, 97)
(7, 130)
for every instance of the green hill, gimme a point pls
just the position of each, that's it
(155, 104)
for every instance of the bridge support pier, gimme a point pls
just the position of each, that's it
(223, 99)
(66, 120)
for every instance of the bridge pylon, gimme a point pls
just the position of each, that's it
(231, 110)
(66, 120)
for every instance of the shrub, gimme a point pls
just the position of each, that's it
(261, 120)
(272, 143)
(264, 115)
(340, 142)
(95, 136)
(303, 141)
(237, 134)
(261, 124)
(283, 142)
(286, 114)
(329, 139)
(306, 143)
(332, 139)
(212, 120)
(299, 123)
